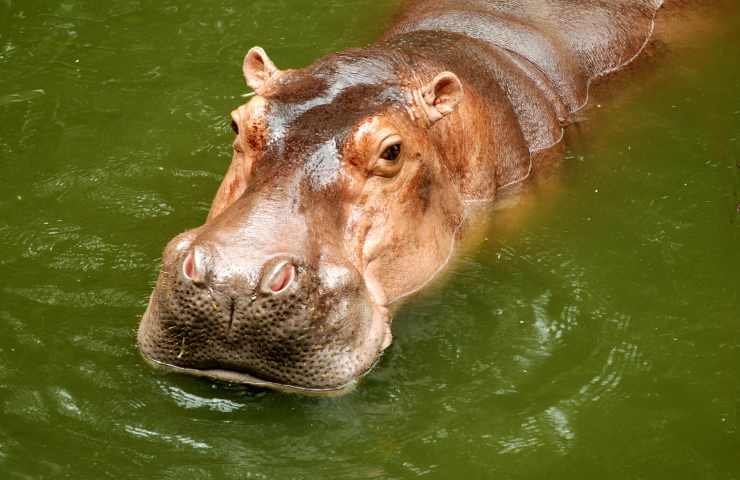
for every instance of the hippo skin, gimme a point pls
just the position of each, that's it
(351, 178)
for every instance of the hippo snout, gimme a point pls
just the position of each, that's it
(280, 320)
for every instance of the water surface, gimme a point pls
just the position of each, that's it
(592, 334)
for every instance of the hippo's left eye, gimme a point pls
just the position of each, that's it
(234, 126)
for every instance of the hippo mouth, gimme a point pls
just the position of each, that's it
(248, 378)
(321, 354)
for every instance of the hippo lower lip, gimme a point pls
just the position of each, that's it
(244, 378)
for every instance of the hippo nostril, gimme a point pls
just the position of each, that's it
(283, 278)
(193, 267)
(188, 266)
(279, 277)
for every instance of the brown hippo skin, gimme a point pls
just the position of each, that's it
(351, 177)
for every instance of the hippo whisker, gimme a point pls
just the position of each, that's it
(182, 348)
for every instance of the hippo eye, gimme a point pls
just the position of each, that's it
(390, 161)
(391, 153)
(234, 126)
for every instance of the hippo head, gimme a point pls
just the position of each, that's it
(337, 203)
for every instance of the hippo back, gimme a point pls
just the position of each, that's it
(569, 42)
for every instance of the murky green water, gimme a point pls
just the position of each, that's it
(593, 334)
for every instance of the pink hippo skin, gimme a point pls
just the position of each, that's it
(351, 178)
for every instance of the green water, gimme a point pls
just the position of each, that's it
(592, 334)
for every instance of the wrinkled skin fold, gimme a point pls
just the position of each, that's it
(350, 180)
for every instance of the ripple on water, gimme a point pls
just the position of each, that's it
(100, 376)
(111, 341)
(8, 444)
(125, 185)
(621, 359)
(171, 439)
(131, 166)
(35, 239)
(17, 330)
(26, 403)
(54, 295)
(131, 202)
(552, 425)
(66, 404)
(92, 253)
(191, 401)
(561, 315)
(184, 173)
(20, 97)
(64, 246)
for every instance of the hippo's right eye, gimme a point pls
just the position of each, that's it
(234, 126)
(389, 161)
(391, 153)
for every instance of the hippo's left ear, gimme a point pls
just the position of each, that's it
(258, 68)
(441, 96)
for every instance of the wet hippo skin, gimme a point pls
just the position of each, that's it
(350, 180)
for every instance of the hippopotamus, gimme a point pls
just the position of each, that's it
(351, 179)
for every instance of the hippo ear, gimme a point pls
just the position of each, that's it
(258, 68)
(441, 96)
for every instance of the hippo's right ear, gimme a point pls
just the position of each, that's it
(258, 69)
(441, 96)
